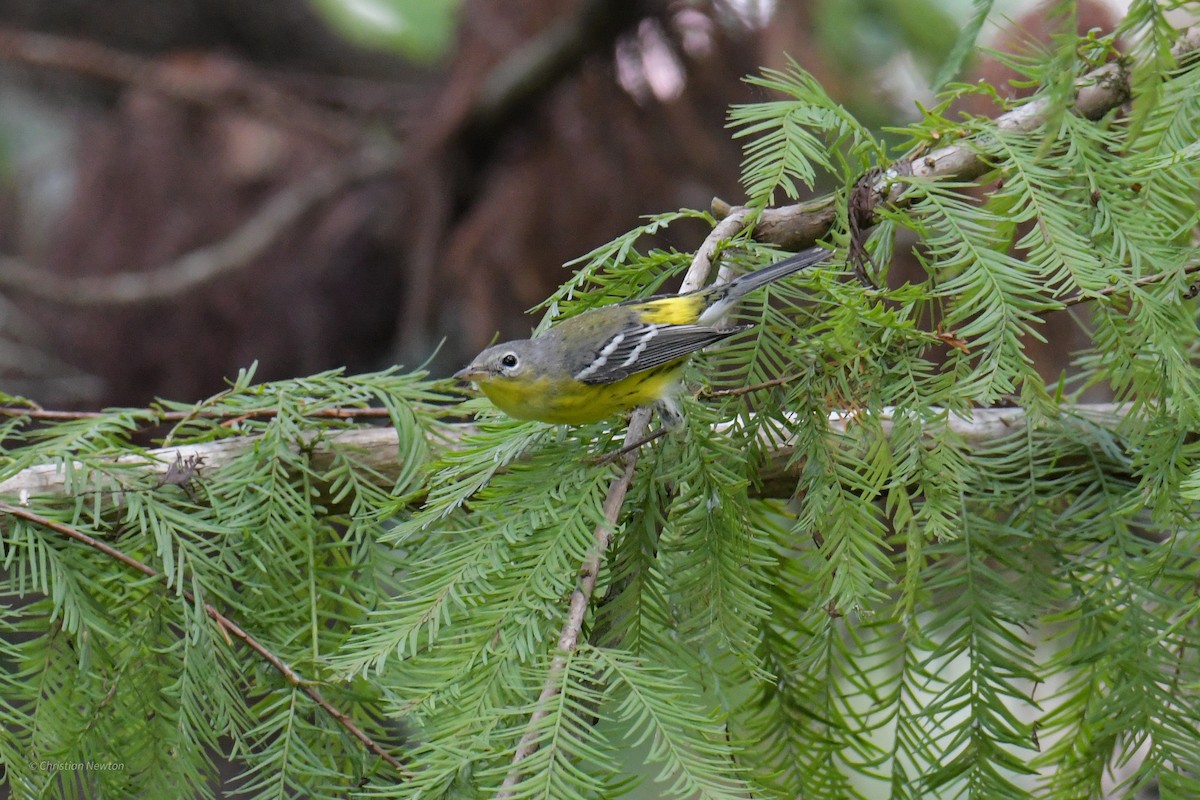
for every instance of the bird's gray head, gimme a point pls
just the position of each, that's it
(507, 360)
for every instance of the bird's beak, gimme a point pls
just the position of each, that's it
(468, 374)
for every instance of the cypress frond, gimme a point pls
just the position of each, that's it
(833, 580)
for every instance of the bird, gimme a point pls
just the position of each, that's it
(607, 360)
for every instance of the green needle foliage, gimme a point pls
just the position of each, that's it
(899, 605)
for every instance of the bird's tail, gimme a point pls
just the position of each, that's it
(730, 293)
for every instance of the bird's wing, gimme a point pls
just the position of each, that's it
(647, 345)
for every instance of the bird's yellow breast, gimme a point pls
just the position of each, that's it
(572, 402)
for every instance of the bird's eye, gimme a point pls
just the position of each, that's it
(509, 360)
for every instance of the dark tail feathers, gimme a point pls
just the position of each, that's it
(761, 277)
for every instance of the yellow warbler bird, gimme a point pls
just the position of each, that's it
(610, 359)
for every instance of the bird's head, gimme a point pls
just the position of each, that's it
(500, 362)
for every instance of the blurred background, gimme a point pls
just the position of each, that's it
(189, 186)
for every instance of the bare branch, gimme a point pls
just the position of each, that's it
(800, 225)
(706, 253)
(987, 424)
(377, 448)
(577, 607)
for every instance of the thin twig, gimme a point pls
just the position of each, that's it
(629, 447)
(206, 264)
(1147, 280)
(754, 387)
(581, 597)
(227, 624)
(585, 586)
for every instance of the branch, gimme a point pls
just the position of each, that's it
(707, 252)
(577, 607)
(1109, 291)
(800, 225)
(778, 475)
(984, 424)
(226, 624)
(207, 264)
(377, 448)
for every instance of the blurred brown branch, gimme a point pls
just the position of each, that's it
(549, 58)
(205, 265)
(207, 81)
